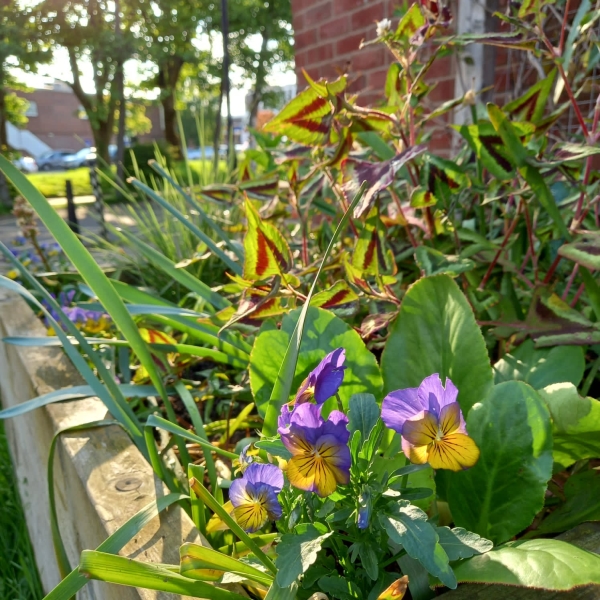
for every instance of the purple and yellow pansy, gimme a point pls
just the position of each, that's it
(254, 496)
(431, 424)
(325, 380)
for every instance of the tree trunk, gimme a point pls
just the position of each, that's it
(5, 198)
(217, 139)
(102, 136)
(168, 78)
(121, 126)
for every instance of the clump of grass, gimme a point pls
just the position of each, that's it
(19, 579)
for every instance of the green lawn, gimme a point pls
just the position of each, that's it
(52, 184)
(19, 579)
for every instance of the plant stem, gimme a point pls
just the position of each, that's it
(393, 559)
(396, 199)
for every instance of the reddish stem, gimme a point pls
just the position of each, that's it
(501, 249)
(552, 269)
(578, 295)
(563, 29)
(409, 233)
(531, 249)
(570, 281)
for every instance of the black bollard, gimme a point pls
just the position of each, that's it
(71, 214)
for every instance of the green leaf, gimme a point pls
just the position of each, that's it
(542, 564)
(540, 368)
(324, 332)
(575, 424)
(410, 23)
(296, 552)
(126, 571)
(371, 255)
(582, 503)
(368, 558)
(436, 319)
(275, 447)
(339, 587)
(206, 564)
(532, 104)
(407, 525)
(363, 414)
(460, 543)
(502, 493)
(434, 262)
(377, 144)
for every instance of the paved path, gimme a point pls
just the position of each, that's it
(88, 221)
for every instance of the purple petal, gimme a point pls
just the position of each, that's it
(283, 421)
(272, 503)
(434, 396)
(306, 416)
(328, 383)
(238, 492)
(336, 425)
(270, 475)
(399, 406)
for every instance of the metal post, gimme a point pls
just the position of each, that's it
(71, 214)
(99, 203)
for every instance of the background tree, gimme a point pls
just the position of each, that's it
(168, 30)
(86, 29)
(22, 47)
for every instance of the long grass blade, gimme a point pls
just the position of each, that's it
(180, 275)
(75, 581)
(113, 400)
(196, 206)
(234, 266)
(91, 272)
(76, 392)
(283, 383)
(125, 571)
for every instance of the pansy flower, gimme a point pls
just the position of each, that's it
(431, 424)
(254, 496)
(320, 454)
(325, 380)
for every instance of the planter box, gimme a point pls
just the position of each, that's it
(101, 479)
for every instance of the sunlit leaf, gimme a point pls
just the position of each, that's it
(371, 255)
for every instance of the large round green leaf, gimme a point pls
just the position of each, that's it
(502, 493)
(436, 332)
(545, 564)
(323, 333)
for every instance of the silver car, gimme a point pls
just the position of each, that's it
(52, 159)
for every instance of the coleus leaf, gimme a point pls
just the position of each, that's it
(339, 294)
(378, 176)
(584, 251)
(530, 106)
(434, 262)
(266, 251)
(371, 256)
(410, 23)
(396, 590)
(440, 178)
(221, 193)
(307, 118)
(487, 144)
(260, 189)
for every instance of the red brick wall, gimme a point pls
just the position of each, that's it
(328, 36)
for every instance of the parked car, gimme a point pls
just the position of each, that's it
(83, 158)
(26, 164)
(53, 159)
(196, 153)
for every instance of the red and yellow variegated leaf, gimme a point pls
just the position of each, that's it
(224, 193)
(440, 178)
(338, 294)
(530, 106)
(260, 189)
(354, 276)
(371, 257)
(410, 23)
(306, 119)
(374, 323)
(489, 148)
(266, 251)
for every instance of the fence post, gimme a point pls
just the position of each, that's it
(71, 214)
(99, 203)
